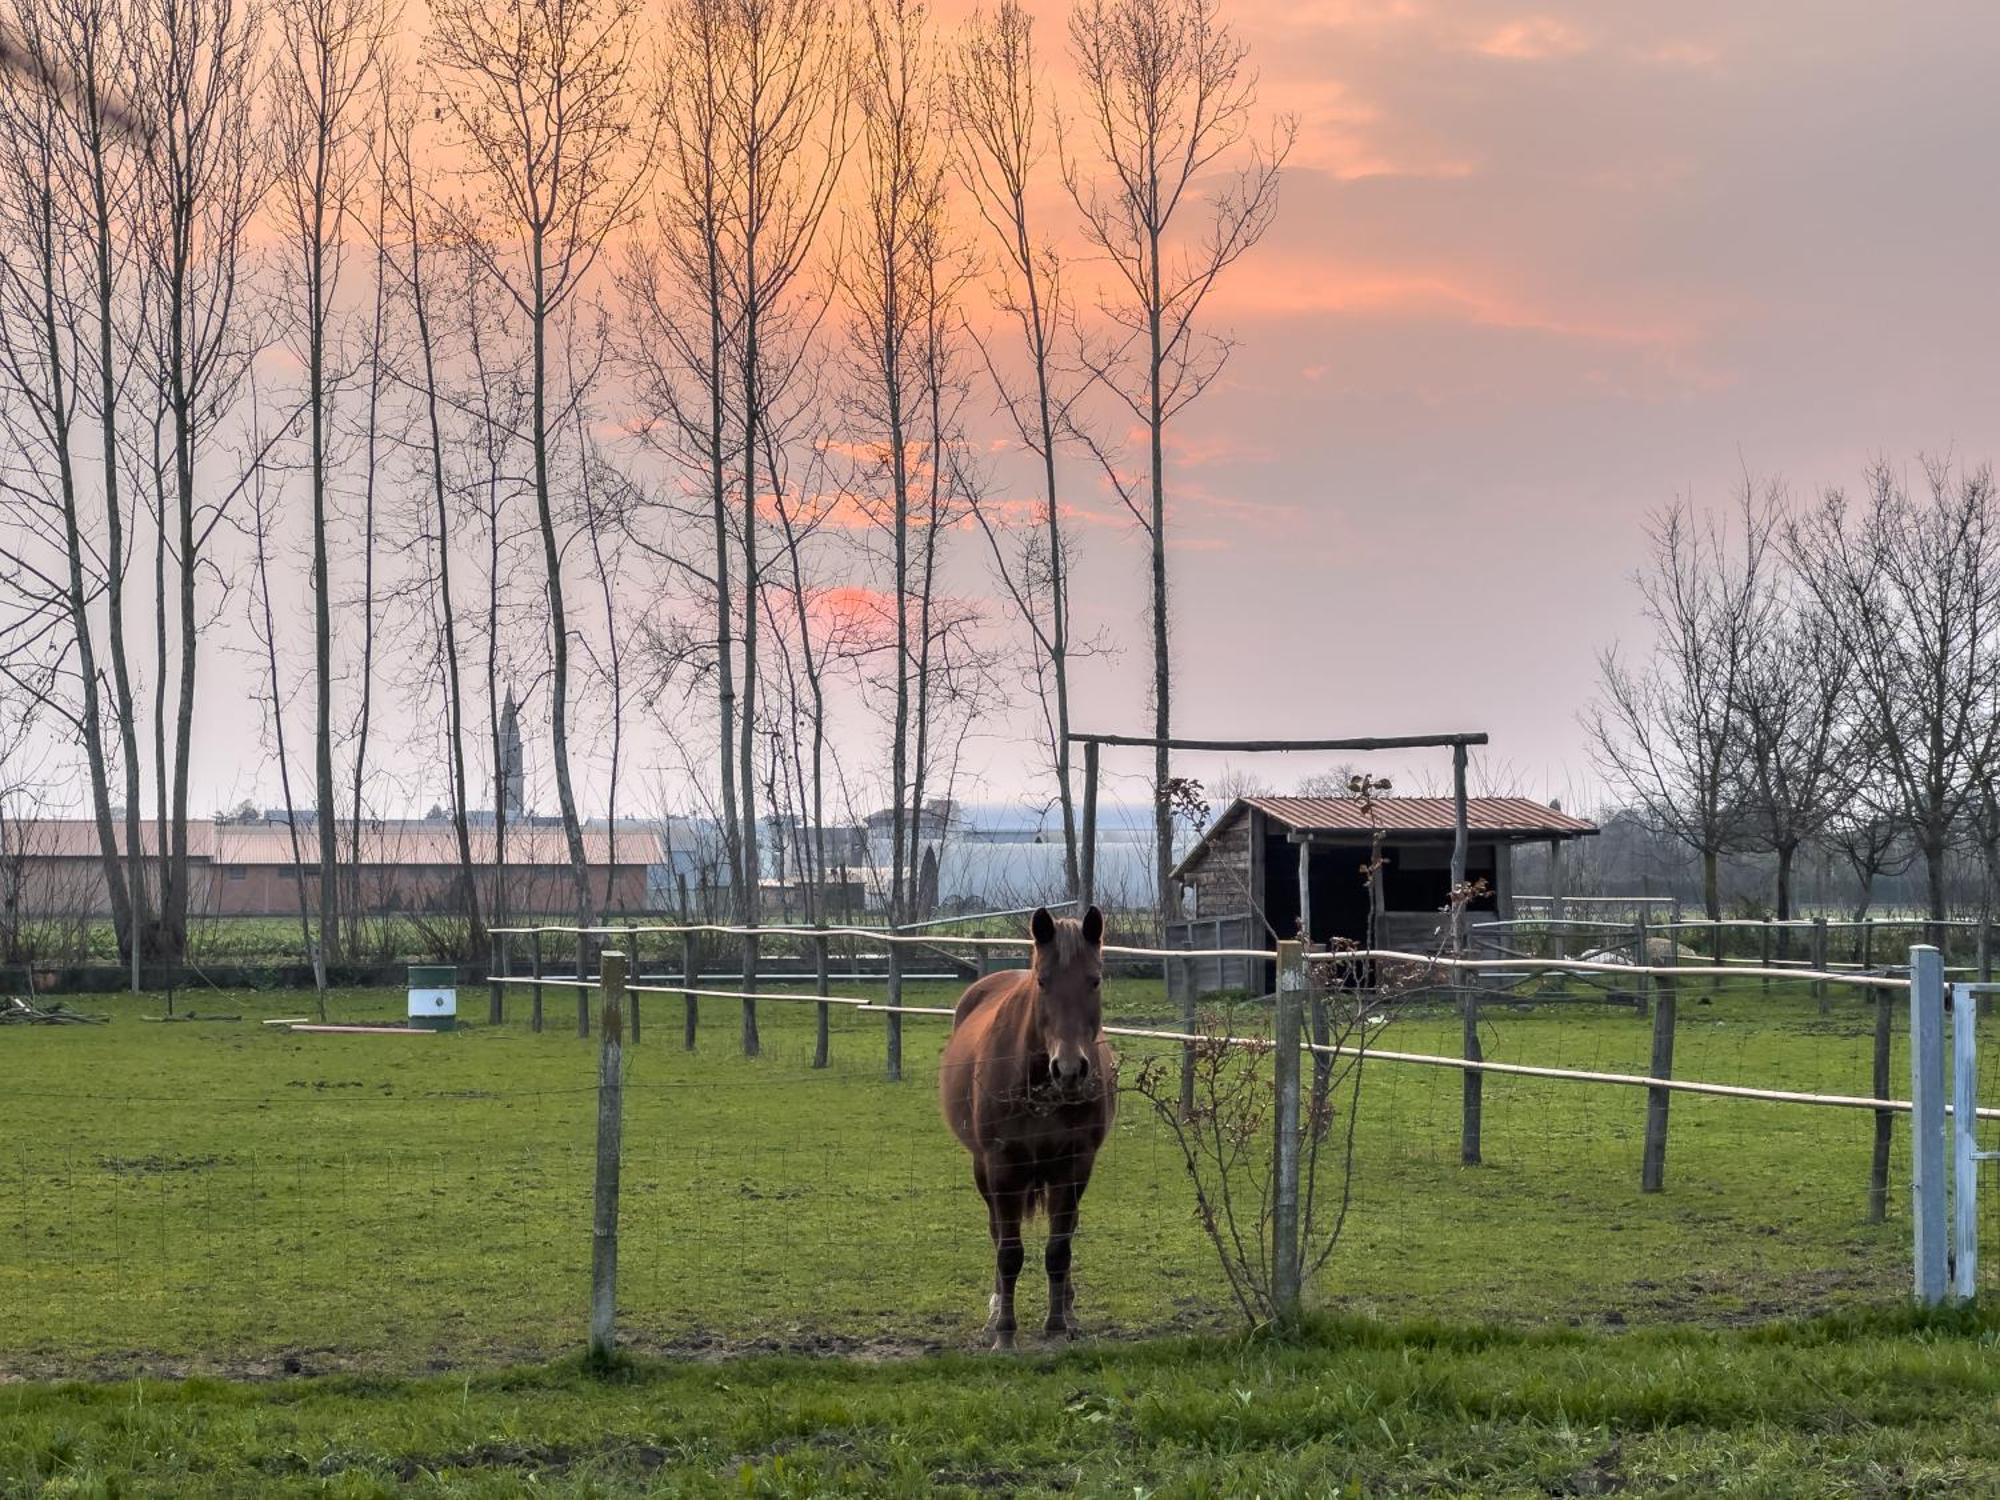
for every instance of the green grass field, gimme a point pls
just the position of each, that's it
(353, 1265)
(1864, 1407)
(226, 1196)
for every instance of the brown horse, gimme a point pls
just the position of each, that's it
(1030, 1087)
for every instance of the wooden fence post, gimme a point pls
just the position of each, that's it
(494, 948)
(610, 1132)
(1285, 1256)
(1642, 956)
(1086, 854)
(1190, 1019)
(892, 1036)
(751, 1043)
(1819, 961)
(1927, 1163)
(1764, 955)
(690, 977)
(535, 957)
(1867, 942)
(1885, 1119)
(639, 974)
(821, 982)
(1653, 1168)
(582, 987)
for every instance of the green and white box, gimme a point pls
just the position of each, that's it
(434, 996)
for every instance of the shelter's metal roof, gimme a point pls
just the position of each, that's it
(1519, 816)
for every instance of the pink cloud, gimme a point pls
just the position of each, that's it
(1535, 39)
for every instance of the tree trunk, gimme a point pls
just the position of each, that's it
(558, 616)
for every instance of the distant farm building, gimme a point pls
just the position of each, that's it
(53, 868)
(1268, 862)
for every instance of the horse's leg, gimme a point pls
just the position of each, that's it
(993, 1233)
(1009, 1203)
(1063, 1197)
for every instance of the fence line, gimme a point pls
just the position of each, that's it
(1345, 955)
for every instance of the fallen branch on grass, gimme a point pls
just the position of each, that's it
(15, 1011)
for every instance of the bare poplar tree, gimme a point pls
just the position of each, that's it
(203, 181)
(544, 96)
(264, 629)
(1670, 732)
(1168, 96)
(327, 58)
(998, 107)
(888, 278)
(49, 555)
(1912, 582)
(75, 167)
(413, 270)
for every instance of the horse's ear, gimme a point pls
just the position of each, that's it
(1093, 927)
(1042, 926)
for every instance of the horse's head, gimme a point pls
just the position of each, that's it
(1069, 1010)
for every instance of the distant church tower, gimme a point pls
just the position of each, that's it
(512, 776)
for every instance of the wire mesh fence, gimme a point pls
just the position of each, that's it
(236, 1196)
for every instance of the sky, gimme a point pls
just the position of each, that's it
(1536, 273)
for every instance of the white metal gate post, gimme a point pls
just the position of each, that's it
(1927, 1168)
(1966, 1155)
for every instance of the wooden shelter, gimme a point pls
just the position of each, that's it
(1278, 867)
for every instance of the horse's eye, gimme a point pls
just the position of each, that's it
(1095, 981)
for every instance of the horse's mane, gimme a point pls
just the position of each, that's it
(1069, 943)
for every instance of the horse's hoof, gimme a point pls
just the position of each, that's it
(1003, 1341)
(1055, 1330)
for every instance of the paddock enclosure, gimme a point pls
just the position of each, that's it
(226, 1194)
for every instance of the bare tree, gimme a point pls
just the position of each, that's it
(264, 629)
(414, 273)
(203, 181)
(998, 109)
(1913, 585)
(49, 558)
(1794, 710)
(544, 95)
(1670, 733)
(327, 57)
(73, 170)
(1168, 96)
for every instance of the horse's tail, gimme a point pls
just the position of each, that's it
(1035, 1200)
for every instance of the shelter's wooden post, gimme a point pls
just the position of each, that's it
(638, 973)
(610, 1132)
(535, 958)
(892, 1034)
(1472, 1082)
(1285, 1250)
(1885, 1119)
(690, 977)
(822, 984)
(1653, 1168)
(495, 968)
(1927, 1155)
(1086, 857)
(1558, 949)
(751, 1045)
(1819, 961)
(1764, 954)
(1867, 942)
(582, 992)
